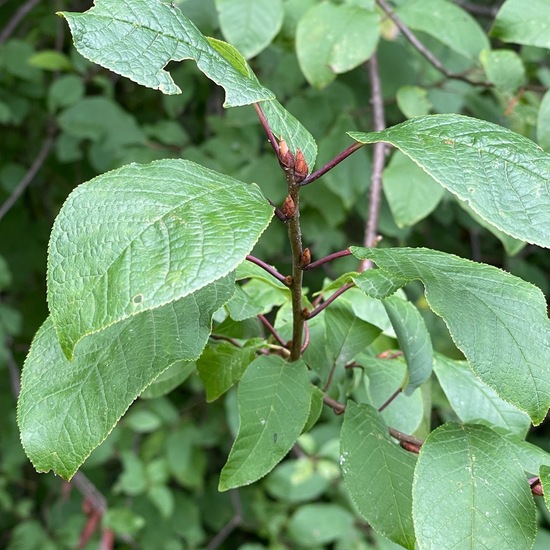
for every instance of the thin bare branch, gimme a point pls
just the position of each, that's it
(272, 140)
(424, 51)
(271, 270)
(329, 301)
(16, 18)
(271, 329)
(326, 259)
(332, 163)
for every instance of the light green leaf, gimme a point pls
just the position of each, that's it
(529, 456)
(497, 320)
(50, 60)
(67, 409)
(475, 402)
(250, 25)
(383, 378)
(274, 401)
(319, 524)
(152, 33)
(446, 22)
(413, 101)
(544, 475)
(346, 334)
(412, 193)
(378, 474)
(379, 283)
(333, 39)
(141, 236)
(470, 492)
(170, 379)
(504, 68)
(502, 175)
(221, 366)
(413, 338)
(521, 24)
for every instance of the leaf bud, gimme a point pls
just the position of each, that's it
(300, 167)
(305, 260)
(288, 208)
(285, 156)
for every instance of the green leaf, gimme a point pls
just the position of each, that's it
(379, 283)
(470, 492)
(446, 22)
(383, 378)
(50, 60)
(154, 33)
(413, 101)
(531, 27)
(319, 524)
(504, 68)
(274, 401)
(170, 379)
(141, 236)
(475, 402)
(250, 25)
(333, 39)
(378, 474)
(414, 340)
(346, 334)
(497, 320)
(412, 193)
(221, 366)
(67, 409)
(502, 175)
(544, 475)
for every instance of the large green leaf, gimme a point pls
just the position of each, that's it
(274, 401)
(67, 409)
(523, 23)
(502, 175)
(250, 25)
(497, 320)
(414, 340)
(333, 39)
(138, 237)
(137, 39)
(448, 23)
(470, 492)
(475, 402)
(378, 474)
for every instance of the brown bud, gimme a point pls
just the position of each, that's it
(288, 280)
(288, 208)
(305, 260)
(300, 167)
(285, 156)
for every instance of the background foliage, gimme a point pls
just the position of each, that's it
(65, 120)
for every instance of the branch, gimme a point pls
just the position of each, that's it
(271, 270)
(326, 259)
(378, 160)
(231, 525)
(16, 18)
(332, 163)
(329, 301)
(271, 329)
(423, 50)
(31, 172)
(267, 128)
(390, 399)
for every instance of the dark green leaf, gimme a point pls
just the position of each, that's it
(274, 402)
(502, 175)
(497, 320)
(378, 474)
(67, 409)
(138, 237)
(470, 492)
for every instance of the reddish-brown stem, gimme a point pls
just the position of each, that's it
(390, 399)
(330, 377)
(423, 50)
(326, 259)
(271, 270)
(226, 339)
(336, 406)
(271, 329)
(332, 163)
(328, 301)
(272, 140)
(306, 338)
